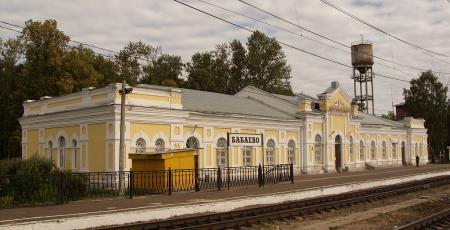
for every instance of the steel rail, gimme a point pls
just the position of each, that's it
(266, 213)
(439, 220)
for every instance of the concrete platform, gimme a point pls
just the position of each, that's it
(91, 213)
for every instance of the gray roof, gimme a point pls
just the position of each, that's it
(209, 102)
(367, 119)
(295, 99)
(256, 105)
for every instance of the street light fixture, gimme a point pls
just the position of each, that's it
(123, 92)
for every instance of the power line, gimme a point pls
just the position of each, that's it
(71, 40)
(380, 30)
(300, 35)
(283, 43)
(332, 40)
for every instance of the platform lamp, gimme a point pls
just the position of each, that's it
(123, 92)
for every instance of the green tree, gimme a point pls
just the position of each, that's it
(134, 58)
(267, 65)
(45, 46)
(209, 71)
(200, 76)
(11, 97)
(164, 70)
(427, 98)
(238, 73)
(87, 68)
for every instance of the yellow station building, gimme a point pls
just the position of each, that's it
(80, 131)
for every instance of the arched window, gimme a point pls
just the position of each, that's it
(350, 156)
(318, 149)
(74, 151)
(247, 155)
(192, 143)
(291, 152)
(221, 152)
(270, 152)
(140, 145)
(372, 150)
(50, 148)
(383, 149)
(394, 150)
(159, 145)
(362, 151)
(62, 152)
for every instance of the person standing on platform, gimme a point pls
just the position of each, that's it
(417, 160)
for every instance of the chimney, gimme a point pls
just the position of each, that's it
(334, 84)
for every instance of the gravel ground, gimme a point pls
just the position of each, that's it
(431, 201)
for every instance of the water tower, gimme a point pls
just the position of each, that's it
(362, 62)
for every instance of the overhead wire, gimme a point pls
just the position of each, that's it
(281, 42)
(297, 34)
(333, 40)
(380, 30)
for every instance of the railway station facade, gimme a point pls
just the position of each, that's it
(80, 131)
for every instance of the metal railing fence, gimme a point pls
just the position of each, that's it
(38, 189)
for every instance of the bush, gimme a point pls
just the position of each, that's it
(33, 165)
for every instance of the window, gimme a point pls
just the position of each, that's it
(50, 146)
(362, 151)
(394, 150)
(192, 143)
(372, 150)
(247, 156)
(350, 156)
(291, 152)
(74, 149)
(159, 145)
(221, 152)
(270, 152)
(318, 149)
(140, 145)
(62, 152)
(383, 150)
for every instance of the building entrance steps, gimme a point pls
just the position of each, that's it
(91, 213)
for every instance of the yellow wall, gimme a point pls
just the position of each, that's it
(96, 147)
(32, 142)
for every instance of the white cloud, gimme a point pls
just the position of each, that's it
(183, 31)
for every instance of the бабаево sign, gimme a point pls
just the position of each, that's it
(242, 139)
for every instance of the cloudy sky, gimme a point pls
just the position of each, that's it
(182, 31)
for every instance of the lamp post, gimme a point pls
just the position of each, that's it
(123, 92)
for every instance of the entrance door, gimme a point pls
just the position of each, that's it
(338, 153)
(403, 154)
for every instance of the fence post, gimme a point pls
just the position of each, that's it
(131, 183)
(228, 177)
(219, 178)
(291, 169)
(169, 175)
(259, 175)
(197, 186)
(61, 187)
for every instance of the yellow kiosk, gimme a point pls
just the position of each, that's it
(163, 171)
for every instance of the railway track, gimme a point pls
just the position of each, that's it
(439, 221)
(256, 215)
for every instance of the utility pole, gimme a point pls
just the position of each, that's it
(123, 92)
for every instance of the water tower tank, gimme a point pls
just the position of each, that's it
(362, 55)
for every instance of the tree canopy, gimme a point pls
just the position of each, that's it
(42, 61)
(427, 98)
